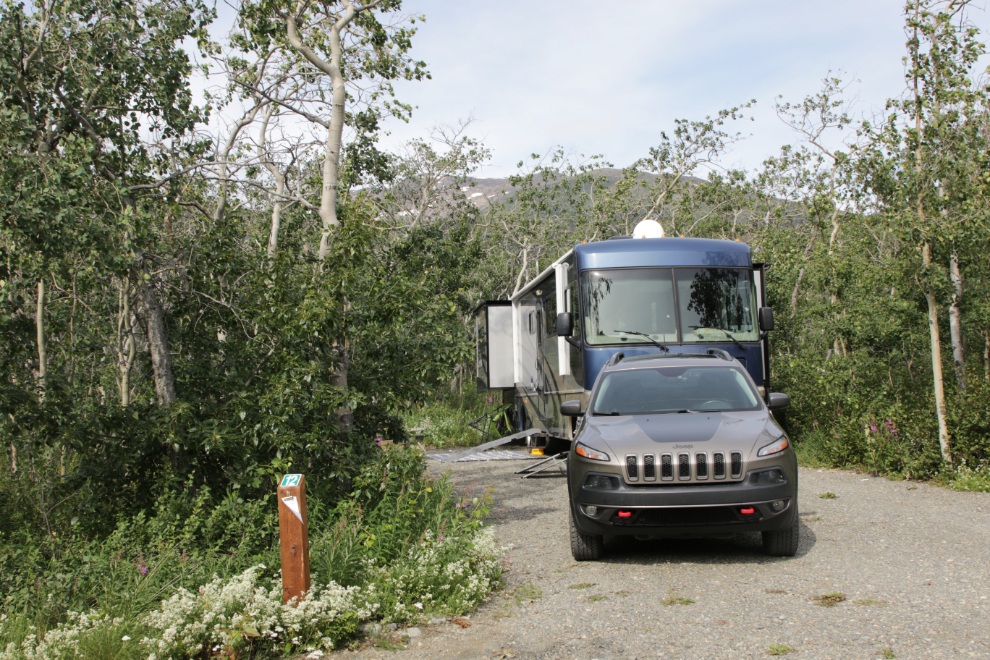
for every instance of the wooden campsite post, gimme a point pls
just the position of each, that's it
(293, 530)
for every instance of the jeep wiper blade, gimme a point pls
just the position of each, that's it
(648, 338)
(606, 414)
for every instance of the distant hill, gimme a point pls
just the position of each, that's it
(483, 192)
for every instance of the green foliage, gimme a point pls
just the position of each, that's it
(446, 419)
(829, 600)
(407, 542)
(396, 520)
(780, 649)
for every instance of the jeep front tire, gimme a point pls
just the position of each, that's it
(585, 547)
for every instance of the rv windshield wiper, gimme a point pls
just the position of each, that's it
(729, 335)
(648, 338)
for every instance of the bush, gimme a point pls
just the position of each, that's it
(190, 578)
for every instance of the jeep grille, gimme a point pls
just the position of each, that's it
(684, 467)
(736, 465)
(632, 469)
(649, 467)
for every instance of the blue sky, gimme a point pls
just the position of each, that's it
(608, 77)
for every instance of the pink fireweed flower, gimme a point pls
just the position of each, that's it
(378, 440)
(873, 428)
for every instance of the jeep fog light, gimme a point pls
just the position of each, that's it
(770, 477)
(601, 482)
(778, 505)
(588, 452)
(774, 447)
(590, 509)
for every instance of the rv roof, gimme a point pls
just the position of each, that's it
(662, 252)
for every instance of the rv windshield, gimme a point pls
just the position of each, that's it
(631, 299)
(711, 305)
(716, 304)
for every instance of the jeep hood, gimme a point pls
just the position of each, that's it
(673, 432)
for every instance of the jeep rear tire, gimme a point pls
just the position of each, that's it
(585, 547)
(782, 542)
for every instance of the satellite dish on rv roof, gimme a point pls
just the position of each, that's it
(648, 229)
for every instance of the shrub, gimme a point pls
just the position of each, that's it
(242, 615)
(187, 580)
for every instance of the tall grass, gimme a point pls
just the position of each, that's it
(445, 421)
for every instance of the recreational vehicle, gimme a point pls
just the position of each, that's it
(639, 296)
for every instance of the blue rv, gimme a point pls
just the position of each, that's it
(548, 343)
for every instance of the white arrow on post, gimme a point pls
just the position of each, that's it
(293, 505)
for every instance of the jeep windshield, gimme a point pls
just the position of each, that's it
(673, 390)
(669, 305)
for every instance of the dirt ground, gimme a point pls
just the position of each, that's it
(905, 568)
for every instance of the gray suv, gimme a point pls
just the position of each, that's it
(677, 446)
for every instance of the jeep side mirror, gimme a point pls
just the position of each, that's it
(778, 400)
(565, 324)
(572, 408)
(766, 319)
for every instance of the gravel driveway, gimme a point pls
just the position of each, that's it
(912, 562)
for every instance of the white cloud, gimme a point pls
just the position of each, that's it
(609, 77)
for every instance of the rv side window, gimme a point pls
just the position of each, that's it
(571, 302)
(550, 314)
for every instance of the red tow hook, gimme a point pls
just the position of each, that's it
(625, 514)
(747, 510)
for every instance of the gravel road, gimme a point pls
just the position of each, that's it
(912, 561)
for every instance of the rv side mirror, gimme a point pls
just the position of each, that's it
(778, 400)
(766, 319)
(571, 408)
(565, 324)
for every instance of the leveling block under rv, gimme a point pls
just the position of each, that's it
(638, 296)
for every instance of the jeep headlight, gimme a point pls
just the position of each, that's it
(779, 445)
(588, 452)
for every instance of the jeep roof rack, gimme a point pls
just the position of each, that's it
(721, 353)
(715, 353)
(616, 359)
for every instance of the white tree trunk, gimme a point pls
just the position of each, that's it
(943, 428)
(129, 347)
(161, 357)
(522, 270)
(39, 320)
(279, 183)
(331, 162)
(276, 216)
(955, 323)
(224, 158)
